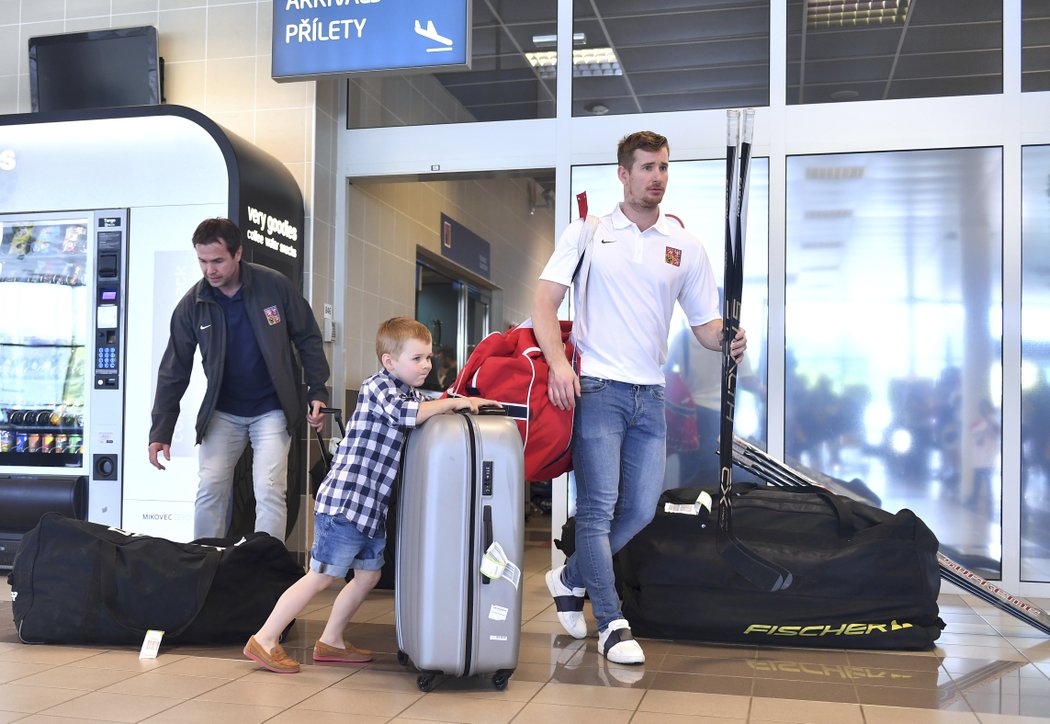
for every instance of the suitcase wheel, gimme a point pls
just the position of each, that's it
(425, 682)
(402, 658)
(500, 679)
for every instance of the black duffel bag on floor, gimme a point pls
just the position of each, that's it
(863, 578)
(75, 582)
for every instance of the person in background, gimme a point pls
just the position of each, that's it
(985, 435)
(701, 368)
(641, 264)
(444, 372)
(248, 322)
(352, 501)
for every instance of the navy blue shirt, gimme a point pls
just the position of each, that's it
(247, 390)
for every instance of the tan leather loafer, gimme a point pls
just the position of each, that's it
(275, 659)
(348, 655)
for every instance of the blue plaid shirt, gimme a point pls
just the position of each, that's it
(365, 465)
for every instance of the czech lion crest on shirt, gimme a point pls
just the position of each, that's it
(273, 315)
(673, 256)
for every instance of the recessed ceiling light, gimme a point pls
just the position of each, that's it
(586, 62)
(839, 13)
(845, 95)
(596, 108)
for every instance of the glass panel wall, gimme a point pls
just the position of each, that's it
(669, 55)
(501, 85)
(893, 323)
(898, 49)
(1035, 45)
(1035, 365)
(696, 195)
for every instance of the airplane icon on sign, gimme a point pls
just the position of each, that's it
(431, 32)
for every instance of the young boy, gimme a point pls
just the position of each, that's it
(350, 513)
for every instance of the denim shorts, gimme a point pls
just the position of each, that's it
(340, 546)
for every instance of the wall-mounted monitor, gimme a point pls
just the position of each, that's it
(95, 69)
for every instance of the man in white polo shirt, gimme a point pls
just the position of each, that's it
(641, 263)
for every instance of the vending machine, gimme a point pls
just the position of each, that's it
(62, 359)
(91, 268)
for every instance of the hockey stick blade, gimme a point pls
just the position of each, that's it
(966, 579)
(766, 467)
(762, 573)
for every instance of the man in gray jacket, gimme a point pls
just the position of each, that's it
(246, 319)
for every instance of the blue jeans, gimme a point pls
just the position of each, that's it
(221, 448)
(340, 546)
(618, 453)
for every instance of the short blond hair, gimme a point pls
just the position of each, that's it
(393, 333)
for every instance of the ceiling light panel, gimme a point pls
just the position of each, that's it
(836, 13)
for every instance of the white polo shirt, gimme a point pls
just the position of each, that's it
(634, 280)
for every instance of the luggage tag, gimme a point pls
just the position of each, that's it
(494, 564)
(151, 644)
(702, 501)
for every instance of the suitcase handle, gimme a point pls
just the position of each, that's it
(317, 474)
(484, 410)
(320, 439)
(486, 516)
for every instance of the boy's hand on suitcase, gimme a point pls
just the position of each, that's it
(476, 403)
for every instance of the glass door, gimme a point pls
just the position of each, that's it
(457, 315)
(45, 327)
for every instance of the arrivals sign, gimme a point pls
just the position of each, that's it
(338, 37)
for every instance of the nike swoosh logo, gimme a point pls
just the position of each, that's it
(204, 327)
(608, 241)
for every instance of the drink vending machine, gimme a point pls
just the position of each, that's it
(62, 292)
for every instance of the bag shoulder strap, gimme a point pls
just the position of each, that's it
(590, 225)
(586, 239)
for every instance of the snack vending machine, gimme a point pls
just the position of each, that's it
(62, 292)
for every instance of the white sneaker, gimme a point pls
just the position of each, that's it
(568, 602)
(616, 644)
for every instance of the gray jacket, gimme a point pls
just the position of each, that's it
(280, 318)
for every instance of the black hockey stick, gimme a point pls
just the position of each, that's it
(777, 473)
(764, 574)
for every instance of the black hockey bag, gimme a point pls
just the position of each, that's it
(75, 582)
(863, 578)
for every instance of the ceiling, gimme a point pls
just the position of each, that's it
(699, 54)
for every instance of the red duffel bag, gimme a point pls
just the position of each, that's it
(509, 367)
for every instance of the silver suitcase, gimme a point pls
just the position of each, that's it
(462, 489)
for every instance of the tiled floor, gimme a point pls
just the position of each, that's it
(987, 667)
